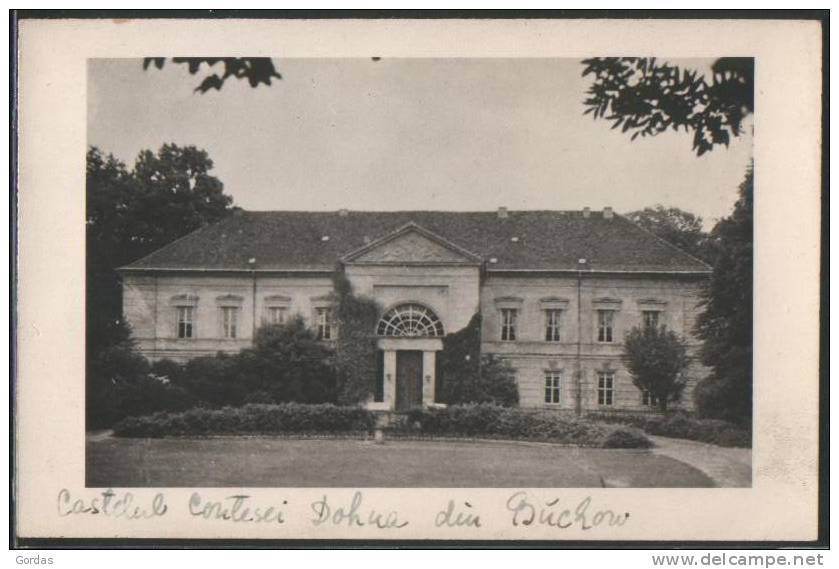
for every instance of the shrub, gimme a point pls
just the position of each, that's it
(249, 419)
(727, 397)
(168, 370)
(259, 397)
(682, 426)
(495, 421)
(213, 379)
(625, 437)
(121, 383)
(290, 363)
(145, 395)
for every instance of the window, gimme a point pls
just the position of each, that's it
(323, 319)
(650, 319)
(605, 325)
(276, 314)
(553, 381)
(229, 321)
(647, 399)
(412, 320)
(186, 317)
(605, 387)
(552, 316)
(508, 324)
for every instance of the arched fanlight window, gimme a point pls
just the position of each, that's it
(413, 320)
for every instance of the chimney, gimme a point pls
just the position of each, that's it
(607, 213)
(502, 213)
(343, 212)
(586, 212)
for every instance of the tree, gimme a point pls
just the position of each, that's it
(132, 213)
(129, 214)
(109, 190)
(725, 325)
(256, 70)
(677, 226)
(290, 363)
(175, 195)
(287, 363)
(642, 95)
(655, 358)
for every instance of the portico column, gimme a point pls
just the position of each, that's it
(389, 387)
(429, 360)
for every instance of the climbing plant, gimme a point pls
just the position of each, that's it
(464, 375)
(355, 354)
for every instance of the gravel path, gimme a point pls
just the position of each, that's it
(727, 467)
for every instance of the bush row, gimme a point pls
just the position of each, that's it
(682, 426)
(479, 420)
(249, 419)
(494, 421)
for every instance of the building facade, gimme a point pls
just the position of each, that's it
(557, 291)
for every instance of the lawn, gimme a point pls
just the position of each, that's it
(277, 462)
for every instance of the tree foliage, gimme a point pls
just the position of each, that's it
(131, 213)
(121, 383)
(255, 70)
(677, 226)
(725, 325)
(656, 359)
(287, 363)
(647, 97)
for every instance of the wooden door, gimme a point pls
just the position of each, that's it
(408, 379)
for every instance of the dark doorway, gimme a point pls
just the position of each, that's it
(408, 379)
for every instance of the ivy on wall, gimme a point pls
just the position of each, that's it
(464, 375)
(458, 364)
(355, 350)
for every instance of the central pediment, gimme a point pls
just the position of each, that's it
(412, 245)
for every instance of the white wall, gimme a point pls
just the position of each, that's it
(531, 355)
(147, 303)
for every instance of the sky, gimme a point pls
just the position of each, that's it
(403, 134)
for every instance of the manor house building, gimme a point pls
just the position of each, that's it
(557, 291)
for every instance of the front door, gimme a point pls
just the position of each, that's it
(408, 379)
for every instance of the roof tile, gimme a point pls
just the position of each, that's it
(547, 240)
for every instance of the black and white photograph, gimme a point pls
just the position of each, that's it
(432, 272)
(399, 281)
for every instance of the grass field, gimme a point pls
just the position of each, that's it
(277, 462)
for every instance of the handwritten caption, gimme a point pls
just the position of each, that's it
(520, 510)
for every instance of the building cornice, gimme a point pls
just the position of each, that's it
(329, 271)
(691, 274)
(316, 272)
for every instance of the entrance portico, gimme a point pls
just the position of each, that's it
(408, 373)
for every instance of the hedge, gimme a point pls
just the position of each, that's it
(249, 419)
(682, 426)
(472, 421)
(494, 421)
